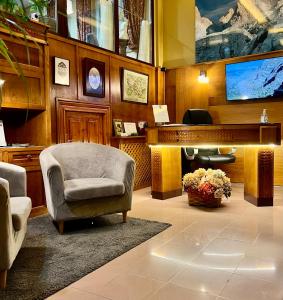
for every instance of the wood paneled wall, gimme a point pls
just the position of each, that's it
(75, 52)
(183, 91)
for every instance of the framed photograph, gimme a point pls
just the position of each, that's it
(142, 125)
(118, 127)
(94, 78)
(61, 71)
(130, 128)
(134, 87)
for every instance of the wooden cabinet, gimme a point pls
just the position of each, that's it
(83, 122)
(29, 159)
(137, 148)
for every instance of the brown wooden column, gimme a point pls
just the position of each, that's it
(259, 175)
(166, 172)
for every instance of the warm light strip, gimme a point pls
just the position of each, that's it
(254, 11)
(213, 146)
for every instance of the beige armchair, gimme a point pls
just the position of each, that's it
(84, 180)
(15, 209)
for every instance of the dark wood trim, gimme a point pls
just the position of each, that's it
(116, 27)
(260, 201)
(3, 279)
(38, 211)
(166, 195)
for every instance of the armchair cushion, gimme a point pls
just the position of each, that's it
(89, 188)
(20, 210)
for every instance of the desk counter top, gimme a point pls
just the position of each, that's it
(217, 135)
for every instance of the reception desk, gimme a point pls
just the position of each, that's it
(258, 141)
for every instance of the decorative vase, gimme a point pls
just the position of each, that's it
(195, 199)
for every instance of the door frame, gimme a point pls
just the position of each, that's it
(66, 105)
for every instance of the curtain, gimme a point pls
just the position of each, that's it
(144, 53)
(72, 19)
(83, 17)
(105, 28)
(134, 12)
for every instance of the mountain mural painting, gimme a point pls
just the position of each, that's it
(231, 28)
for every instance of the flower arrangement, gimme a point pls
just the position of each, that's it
(207, 186)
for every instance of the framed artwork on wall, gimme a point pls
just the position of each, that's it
(134, 86)
(93, 78)
(235, 28)
(61, 71)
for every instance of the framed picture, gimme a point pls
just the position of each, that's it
(118, 127)
(94, 78)
(142, 125)
(130, 128)
(134, 87)
(61, 71)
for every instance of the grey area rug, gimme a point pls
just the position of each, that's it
(49, 261)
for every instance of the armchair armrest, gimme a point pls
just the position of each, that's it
(53, 180)
(121, 167)
(16, 176)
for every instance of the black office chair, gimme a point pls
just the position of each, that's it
(202, 158)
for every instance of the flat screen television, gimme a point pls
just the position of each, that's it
(254, 80)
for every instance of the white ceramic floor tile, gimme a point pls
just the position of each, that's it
(241, 287)
(129, 287)
(74, 294)
(202, 280)
(174, 292)
(197, 256)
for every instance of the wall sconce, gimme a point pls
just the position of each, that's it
(203, 77)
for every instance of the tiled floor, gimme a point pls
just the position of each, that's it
(233, 252)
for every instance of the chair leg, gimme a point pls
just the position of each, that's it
(60, 226)
(125, 216)
(3, 279)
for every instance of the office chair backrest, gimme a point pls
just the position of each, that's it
(197, 117)
(200, 117)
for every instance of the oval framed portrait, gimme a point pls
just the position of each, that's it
(94, 78)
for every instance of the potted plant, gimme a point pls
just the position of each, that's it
(207, 187)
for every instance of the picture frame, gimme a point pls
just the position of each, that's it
(118, 127)
(141, 126)
(130, 128)
(93, 78)
(61, 71)
(134, 86)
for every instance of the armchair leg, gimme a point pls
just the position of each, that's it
(125, 216)
(60, 226)
(3, 279)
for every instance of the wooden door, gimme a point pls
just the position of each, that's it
(94, 129)
(74, 127)
(83, 121)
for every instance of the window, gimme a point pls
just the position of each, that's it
(135, 29)
(121, 26)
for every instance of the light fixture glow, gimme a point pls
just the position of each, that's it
(213, 146)
(2, 81)
(203, 77)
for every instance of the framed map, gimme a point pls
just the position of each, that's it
(134, 87)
